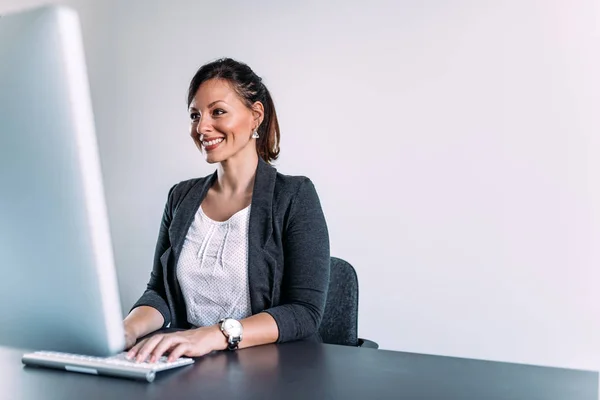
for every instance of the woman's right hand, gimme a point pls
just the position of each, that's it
(141, 321)
(130, 339)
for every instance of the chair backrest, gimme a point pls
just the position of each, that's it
(340, 319)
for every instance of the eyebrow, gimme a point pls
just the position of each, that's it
(210, 105)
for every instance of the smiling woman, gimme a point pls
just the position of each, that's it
(242, 257)
(220, 119)
(235, 88)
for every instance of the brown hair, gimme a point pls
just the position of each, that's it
(250, 88)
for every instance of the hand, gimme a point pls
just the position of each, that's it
(190, 343)
(130, 338)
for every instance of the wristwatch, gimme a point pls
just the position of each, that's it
(232, 329)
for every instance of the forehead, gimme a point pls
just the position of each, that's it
(213, 90)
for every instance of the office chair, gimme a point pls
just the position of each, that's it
(340, 319)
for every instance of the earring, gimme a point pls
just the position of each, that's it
(255, 134)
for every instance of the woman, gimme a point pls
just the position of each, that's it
(242, 257)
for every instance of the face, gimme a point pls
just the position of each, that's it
(221, 123)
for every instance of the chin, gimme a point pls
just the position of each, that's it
(212, 158)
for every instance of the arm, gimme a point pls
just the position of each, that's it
(306, 272)
(151, 311)
(258, 329)
(141, 321)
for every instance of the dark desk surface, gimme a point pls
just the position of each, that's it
(308, 371)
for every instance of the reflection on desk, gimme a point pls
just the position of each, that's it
(310, 371)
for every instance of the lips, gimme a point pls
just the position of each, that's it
(212, 143)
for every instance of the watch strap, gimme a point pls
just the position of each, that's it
(232, 343)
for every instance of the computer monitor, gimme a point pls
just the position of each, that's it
(58, 286)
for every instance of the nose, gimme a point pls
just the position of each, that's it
(204, 126)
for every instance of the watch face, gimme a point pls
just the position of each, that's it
(232, 327)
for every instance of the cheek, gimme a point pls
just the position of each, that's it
(232, 127)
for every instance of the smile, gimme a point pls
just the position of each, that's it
(211, 143)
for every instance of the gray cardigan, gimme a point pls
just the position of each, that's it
(288, 252)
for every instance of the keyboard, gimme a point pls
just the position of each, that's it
(118, 365)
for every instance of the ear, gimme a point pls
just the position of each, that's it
(258, 112)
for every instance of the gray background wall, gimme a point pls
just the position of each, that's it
(454, 145)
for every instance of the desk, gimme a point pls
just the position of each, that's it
(308, 371)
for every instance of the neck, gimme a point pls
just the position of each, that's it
(236, 175)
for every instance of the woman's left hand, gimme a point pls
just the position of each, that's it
(191, 343)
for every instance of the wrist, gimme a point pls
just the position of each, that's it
(219, 338)
(130, 329)
(233, 332)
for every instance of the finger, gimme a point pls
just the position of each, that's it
(135, 349)
(178, 351)
(148, 347)
(167, 343)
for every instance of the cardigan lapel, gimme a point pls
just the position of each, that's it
(185, 212)
(260, 273)
(261, 213)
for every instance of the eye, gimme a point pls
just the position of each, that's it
(218, 111)
(194, 116)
